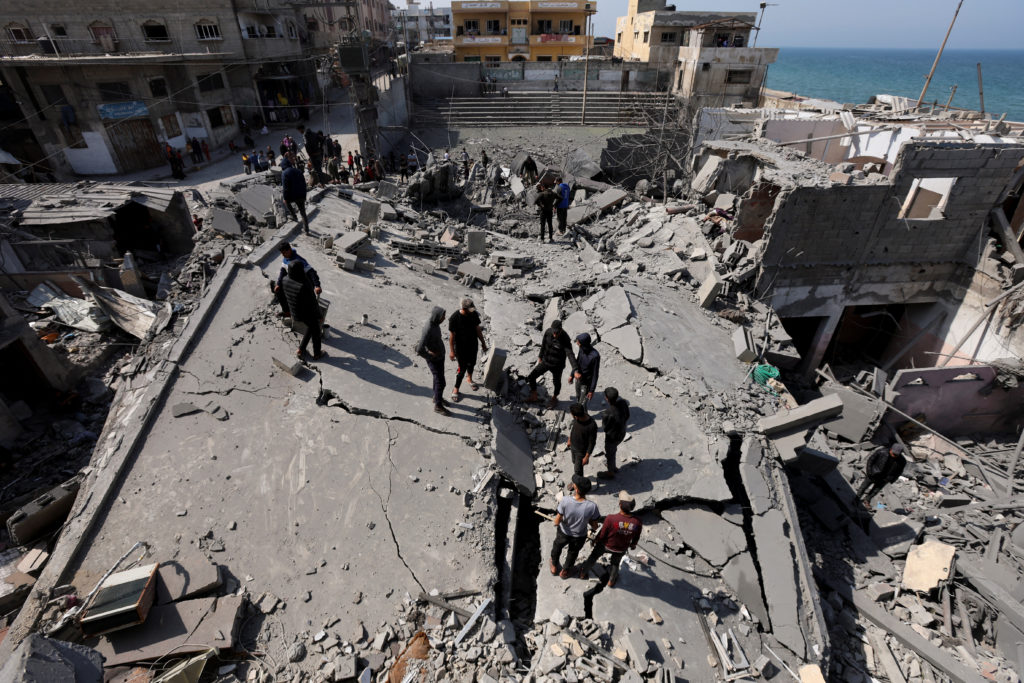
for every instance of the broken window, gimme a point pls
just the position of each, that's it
(155, 32)
(172, 128)
(647, 36)
(493, 60)
(207, 31)
(211, 82)
(739, 76)
(54, 95)
(493, 26)
(220, 117)
(58, 31)
(19, 33)
(158, 87)
(102, 33)
(668, 37)
(927, 198)
(115, 91)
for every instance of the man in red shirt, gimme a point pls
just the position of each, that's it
(619, 533)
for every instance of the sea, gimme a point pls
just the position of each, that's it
(855, 74)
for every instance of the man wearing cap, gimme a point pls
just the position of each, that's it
(464, 336)
(619, 534)
(555, 347)
(575, 514)
(588, 364)
(582, 438)
(614, 419)
(885, 466)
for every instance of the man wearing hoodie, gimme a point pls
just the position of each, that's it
(588, 363)
(562, 207)
(288, 256)
(554, 349)
(293, 185)
(431, 349)
(582, 438)
(298, 290)
(615, 417)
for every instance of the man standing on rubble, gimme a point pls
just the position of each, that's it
(554, 349)
(885, 465)
(465, 335)
(575, 515)
(431, 349)
(528, 172)
(588, 363)
(290, 255)
(545, 202)
(619, 534)
(302, 302)
(582, 438)
(614, 419)
(293, 186)
(563, 191)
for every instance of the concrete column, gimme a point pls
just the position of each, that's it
(819, 345)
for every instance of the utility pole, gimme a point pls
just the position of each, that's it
(757, 32)
(981, 90)
(935, 64)
(950, 100)
(586, 68)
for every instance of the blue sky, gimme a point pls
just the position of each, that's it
(991, 24)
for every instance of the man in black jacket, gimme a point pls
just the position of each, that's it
(545, 202)
(588, 365)
(304, 307)
(431, 349)
(465, 335)
(614, 418)
(288, 254)
(582, 438)
(885, 465)
(293, 189)
(554, 349)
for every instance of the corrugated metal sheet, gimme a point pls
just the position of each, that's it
(55, 203)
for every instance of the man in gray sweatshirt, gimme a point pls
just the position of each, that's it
(431, 349)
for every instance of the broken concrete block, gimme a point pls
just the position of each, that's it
(187, 576)
(814, 411)
(782, 356)
(494, 369)
(350, 241)
(369, 212)
(33, 561)
(387, 190)
(516, 185)
(894, 534)
(928, 565)
(636, 645)
(740, 575)
(705, 179)
(725, 201)
(348, 262)
(743, 344)
(708, 534)
(709, 290)
(816, 461)
(753, 480)
(627, 340)
(840, 178)
(511, 448)
(183, 409)
(775, 558)
(811, 673)
(225, 222)
(859, 413)
(292, 369)
(473, 272)
(551, 313)
(38, 658)
(476, 241)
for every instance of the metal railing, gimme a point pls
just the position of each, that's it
(74, 47)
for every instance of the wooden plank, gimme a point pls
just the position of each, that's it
(444, 604)
(1009, 607)
(965, 623)
(888, 662)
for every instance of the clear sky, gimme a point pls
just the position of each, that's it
(991, 24)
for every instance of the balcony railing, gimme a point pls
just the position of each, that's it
(563, 6)
(72, 47)
(479, 6)
(559, 39)
(480, 40)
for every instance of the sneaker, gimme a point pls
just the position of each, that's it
(441, 410)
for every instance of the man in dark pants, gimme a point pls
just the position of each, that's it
(465, 335)
(545, 201)
(293, 186)
(885, 465)
(314, 148)
(582, 438)
(619, 534)
(554, 349)
(563, 191)
(588, 364)
(304, 307)
(288, 255)
(614, 418)
(431, 348)
(575, 515)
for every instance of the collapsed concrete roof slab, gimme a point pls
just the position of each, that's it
(774, 557)
(511, 449)
(710, 536)
(258, 200)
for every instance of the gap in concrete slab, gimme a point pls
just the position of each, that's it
(731, 466)
(526, 565)
(502, 516)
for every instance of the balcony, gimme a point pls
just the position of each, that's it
(478, 6)
(63, 48)
(477, 41)
(563, 6)
(555, 39)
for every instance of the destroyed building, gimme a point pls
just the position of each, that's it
(287, 520)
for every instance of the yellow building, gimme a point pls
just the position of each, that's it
(520, 30)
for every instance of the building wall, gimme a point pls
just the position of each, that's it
(706, 72)
(517, 41)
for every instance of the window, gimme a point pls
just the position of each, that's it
(53, 94)
(220, 117)
(210, 82)
(207, 31)
(927, 199)
(543, 26)
(519, 22)
(58, 31)
(158, 87)
(493, 26)
(19, 33)
(117, 91)
(155, 32)
(668, 37)
(172, 128)
(647, 36)
(102, 33)
(565, 26)
(495, 59)
(471, 59)
(738, 41)
(618, 37)
(312, 25)
(472, 26)
(738, 76)
(293, 32)
(543, 58)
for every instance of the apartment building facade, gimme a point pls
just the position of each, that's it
(106, 87)
(418, 24)
(521, 30)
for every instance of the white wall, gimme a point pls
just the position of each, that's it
(94, 159)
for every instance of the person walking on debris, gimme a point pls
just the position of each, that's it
(465, 335)
(554, 349)
(545, 202)
(303, 304)
(885, 465)
(563, 191)
(582, 438)
(588, 363)
(290, 255)
(403, 168)
(483, 159)
(614, 419)
(528, 173)
(619, 533)
(574, 515)
(293, 186)
(431, 349)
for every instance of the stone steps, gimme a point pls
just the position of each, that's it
(527, 108)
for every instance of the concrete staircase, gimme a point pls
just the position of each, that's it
(523, 108)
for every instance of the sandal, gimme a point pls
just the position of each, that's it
(476, 387)
(455, 397)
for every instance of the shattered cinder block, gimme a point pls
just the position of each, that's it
(710, 290)
(476, 241)
(369, 212)
(743, 343)
(471, 272)
(494, 367)
(347, 262)
(814, 411)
